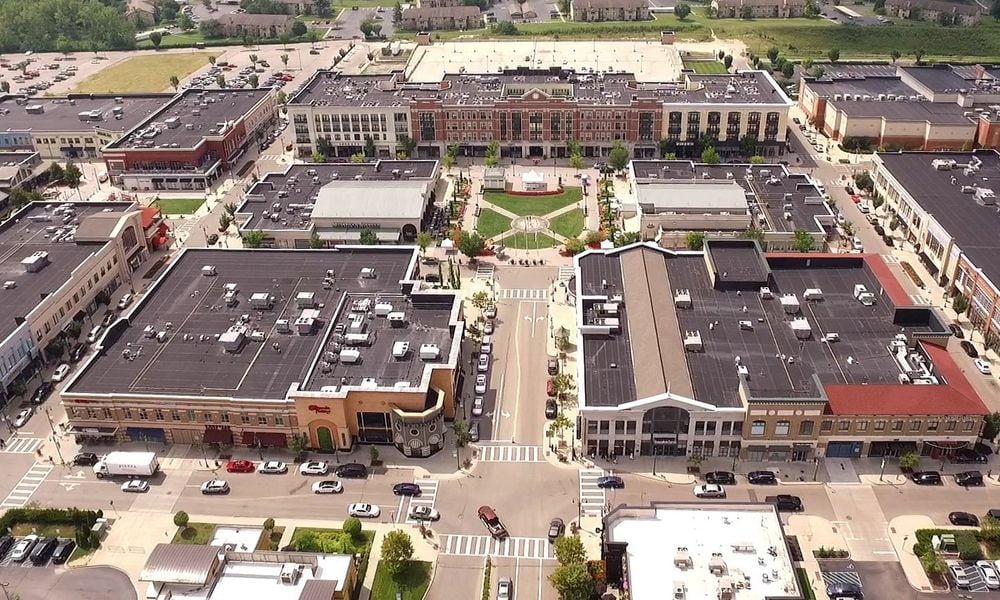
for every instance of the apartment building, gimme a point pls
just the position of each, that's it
(739, 364)
(609, 10)
(427, 18)
(936, 11)
(534, 113)
(438, 3)
(260, 26)
(758, 9)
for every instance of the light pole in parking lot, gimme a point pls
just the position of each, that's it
(55, 437)
(3, 586)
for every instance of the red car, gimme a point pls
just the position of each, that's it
(286, 78)
(856, 199)
(241, 466)
(550, 388)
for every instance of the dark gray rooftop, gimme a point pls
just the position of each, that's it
(63, 114)
(976, 228)
(780, 364)
(20, 237)
(192, 116)
(769, 186)
(930, 112)
(937, 78)
(193, 362)
(870, 85)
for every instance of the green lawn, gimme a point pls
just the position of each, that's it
(491, 223)
(179, 206)
(197, 534)
(705, 67)
(568, 224)
(530, 241)
(414, 581)
(535, 205)
(148, 73)
(62, 530)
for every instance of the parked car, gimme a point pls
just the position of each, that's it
(720, 477)
(550, 388)
(125, 301)
(61, 372)
(785, 502)
(329, 486)
(135, 486)
(493, 524)
(956, 330)
(969, 455)
(969, 478)
(95, 333)
(556, 529)
(63, 551)
(490, 312)
(709, 490)
(484, 363)
(23, 417)
(926, 477)
(77, 352)
(762, 477)
(989, 573)
(23, 548)
(424, 513)
(474, 431)
(272, 467)
(969, 348)
(364, 511)
(505, 589)
(480, 384)
(958, 574)
(982, 366)
(314, 467)
(844, 590)
(963, 518)
(552, 366)
(215, 486)
(406, 489)
(6, 543)
(352, 470)
(613, 482)
(488, 327)
(551, 408)
(241, 466)
(43, 550)
(42, 392)
(486, 346)
(85, 459)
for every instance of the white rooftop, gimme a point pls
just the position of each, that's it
(748, 538)
(237, 539)
(397, 199)
(242, 580)
(694, 197)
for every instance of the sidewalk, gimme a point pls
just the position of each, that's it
(812, 533)
(902, 535)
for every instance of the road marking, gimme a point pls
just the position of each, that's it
(566, 273)
(592, 497)
(920, 299)
(510, 453)
(69, 487)
(485, 271)
(427, 497)
(25, 488)
(484, 545)
(22, 445)
(528, 295)
(850, 577)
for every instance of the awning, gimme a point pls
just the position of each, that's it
(353, 235)
(94, 432)
(264, 438)
(928, 264)
(217, 435)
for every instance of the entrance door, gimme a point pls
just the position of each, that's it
(325, 439)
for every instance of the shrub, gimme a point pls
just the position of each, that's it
(352, 526)
(967, 542)
(181, 519)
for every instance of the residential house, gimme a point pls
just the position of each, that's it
(609, 10)
(759, 9)
(438, 3)
(259, 26)
(451, 17)
(956, 13)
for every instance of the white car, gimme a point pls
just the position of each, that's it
(365, 511)
(424, 513)
(982, 366)
(709, 490)
(328, 487)
(215, 486)
(94, 334)
(480, 384)
(486, 347)
(23, 548)
(505, 588)
(272, 467)
(857, 245)
(488, 328)
(484, 363)
(959, 574)
(22, 417)
(137, 486)
(490, 312)
(61, 372)
(314, 467)
(125, 301)
(989, 573)
(477, 406)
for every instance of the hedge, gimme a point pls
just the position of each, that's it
(968, 544)
(82, 520)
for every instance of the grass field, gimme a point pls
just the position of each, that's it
(197, 534)
(568, 224)
(414, 580)
(705, 67)
(530, 241)
(179, 206)
(491, 223)
(535, 205)
(149, 73)
(62, 530)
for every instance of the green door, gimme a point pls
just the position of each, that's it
(325, 439)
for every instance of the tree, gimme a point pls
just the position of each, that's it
(253, 239)
(757, 159)
(253, 80)
(19, 197)
(772, 53)
(848, 228)
(682, 10)
(895, 55)
(695, 240)
(352, 527)
(803, 242)
(563, 385)
(992, 426)
(211, 59)
(471, 244)
(253, 60)
(4, 86)
(72, 176)
(56, 173)
(424, 239)
(710, 157)
(748, 145)
(569, 550)
(932, 562)
(368, 238)
(863, 180)
(995, 10)
(833, 54)
(185, 23)
(576, 161)
(370, 151)
(806, 64)
(397, 550)
(315, 242)
(224, 222)
(181, 519)
(211, 30)
(397, 13)
(358, 157)
(298, 28)
(727, 61)
(909, 461)
(754, 233)
(155, 38)
(619, 156)
(811, 10)
(269, 524)
(574, 246)
(573, 582)
(918, 55)
(480, 300)
(318, 157)
(787, 70)
(407, 145)
(284, 60)
(960, 303)
(220, 80)
(746, 13)
(175, 82)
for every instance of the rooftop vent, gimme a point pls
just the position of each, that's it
(692, 341)
(429, 351)
(36, 262)
(305, 300)
(209, 271)
(682, 298)
(801, 328)
(941, 164)
(790, 304)
(766, 294)
(813, 294)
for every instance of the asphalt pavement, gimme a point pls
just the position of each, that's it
(59, 583)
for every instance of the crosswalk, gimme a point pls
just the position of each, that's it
(521, 294)
(834, 577)
(485, 271)
(510, 453)
(427, 497)
(920, 299)
(271, 157)
(566, 272)
(592, 498)
(484, 545)
(890, 259)
(22, 445)
(24, 489)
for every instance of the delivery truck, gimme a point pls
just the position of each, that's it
(127, 464)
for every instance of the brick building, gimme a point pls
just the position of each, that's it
(609, 10)
(256, 25)
(758, 9)
(441, 17)
(936, 11)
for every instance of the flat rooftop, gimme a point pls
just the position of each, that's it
(938, 78)
(10, 164)
(767, 189)
(975, 228)
(62, 114)
(192, 361)
(293, 194)
(939, 113)
(779, 363)
(192, 116)
(745, 540)
(27, 232)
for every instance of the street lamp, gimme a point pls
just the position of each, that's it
(55, 437)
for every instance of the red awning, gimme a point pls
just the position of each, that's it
(217, 435)
(264, 439)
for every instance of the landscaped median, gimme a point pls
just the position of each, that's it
(62, 523)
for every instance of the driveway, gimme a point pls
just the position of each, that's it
(349, 22)
(58, 583)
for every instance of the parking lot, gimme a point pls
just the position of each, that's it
(36, 74)
(59, 583)
(347, 25)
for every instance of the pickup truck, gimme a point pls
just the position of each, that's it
(785, 502)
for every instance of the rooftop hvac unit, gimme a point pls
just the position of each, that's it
(149, 331)
(813, 294)
(744, 372)
(968, 189)
(305, 300)
(831, 337)
(682, 298)
(358, 339)
(400, 350)
(36, 262)
(692, 341)
(607, 308)
(356, 324)
(382, 309)
(801, 328)
(867, 299)
(941, 164)
(350, 356)
(429, 351)
(283, 326)
(208, 271)
(172, 122)
(233, 338)
(290, 573)
(262, 301)
(746, 325)
(368, 273)
(396, 319)
(985, 197)
(257, 335)
(9, 285)
(788, 216)
(611, 323)
(361, 305)
(790, 304)
(766, 294)
(230, 297)
(903, 378)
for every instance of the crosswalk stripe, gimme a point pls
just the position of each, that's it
(525, 294)
(427, 497)
(566, 273)
(507, 453)
(20, 445)
(484, 271)
(592, 498)
(26, 487)
(484, 545)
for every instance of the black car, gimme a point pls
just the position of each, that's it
(551, 409)
(963, 518)
(85, 459)
(968, 456)
(77, 352)
(845, 590)
(212, 239)
(612, 482)
(109, 318)
(926, 477)
(43, 551)
(406, 489)
(352, 471)
(969, 348)
(6, 543)
(956, 331)
(720, 477)
(762, 477)
(42, 392)
(969, 478)
(63, 551)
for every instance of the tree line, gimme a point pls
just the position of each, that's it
(63, 26)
